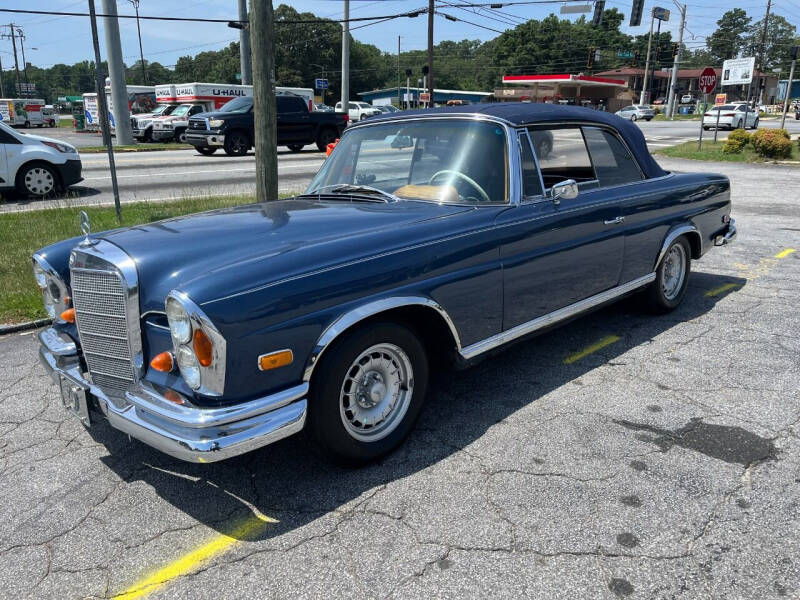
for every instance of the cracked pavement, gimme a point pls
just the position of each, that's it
(664, 465)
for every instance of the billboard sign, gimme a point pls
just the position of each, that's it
(738, 71)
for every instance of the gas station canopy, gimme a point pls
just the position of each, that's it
(563, 78)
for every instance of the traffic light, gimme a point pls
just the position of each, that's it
(636, 13)
(599, 7)
(675, 49)
(590, 58)
(636, 56)
(425, 70)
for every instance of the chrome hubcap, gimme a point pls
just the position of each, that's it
(376, 392)
(674, 271)
(39, 181)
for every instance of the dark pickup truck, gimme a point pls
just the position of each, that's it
(231, 127)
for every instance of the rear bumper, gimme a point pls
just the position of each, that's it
(70, 172)
(191, 433)
(728, 236)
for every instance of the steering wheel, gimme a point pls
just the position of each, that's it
(484, 196)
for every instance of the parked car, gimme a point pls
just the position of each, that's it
(142, 124)
(172, 127)
(731, 116)
(232, 127)
(660, 101)
(634, 112)
(49, 116)
(687, 99)
(387, 109)
(36, 165)
(225, 331)
(322, 107)
(359, 111)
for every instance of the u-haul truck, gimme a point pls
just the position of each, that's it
(141, 100)
(22, 112)
(194, 98)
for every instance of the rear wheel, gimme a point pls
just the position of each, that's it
(236, 144)
(755, 123)
(368, 391)
(27, 124)
(325, 137)
(672, 278)
(296, 147)
(37, 179)
(206, 150)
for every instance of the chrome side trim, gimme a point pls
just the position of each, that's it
(672, 235)
(98, 257)
(212, 378)
(350, 318)
(561, 314)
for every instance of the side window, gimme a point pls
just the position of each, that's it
(195, 110)
(531, 184)
(613, 163)
(353, 106)
(562, 155)
(7, 138)
(281, 104)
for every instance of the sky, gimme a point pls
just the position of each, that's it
(50, 39)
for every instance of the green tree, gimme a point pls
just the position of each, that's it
(729, 38)
(780, 37)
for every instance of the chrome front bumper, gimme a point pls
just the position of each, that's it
(211, 140)
(728, 237)
(187, 432)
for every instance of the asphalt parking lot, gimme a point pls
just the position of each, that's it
(621, 456)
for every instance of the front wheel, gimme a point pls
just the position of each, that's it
(368, 391)
(634, 118)
(37, 179)
(206, 150)
(295, 147)
(236, 144)
(180, 136)
(672, 278)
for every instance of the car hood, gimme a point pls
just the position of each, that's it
(232, 250)
(41, 138)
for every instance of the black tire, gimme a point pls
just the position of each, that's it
(755, 124)
(206, 150)
(325, 137)
(328, 411)
(634, 118)
(295, 147)
(148, 135)
(27, 125)
(180, 136)
(32, 180)
(660, 300)
(706, 127)
(236, 144)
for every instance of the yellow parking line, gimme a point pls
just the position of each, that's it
(189, 562)
(784, 253)
(723, 288)
(609, 339)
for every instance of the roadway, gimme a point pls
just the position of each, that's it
(172, 174)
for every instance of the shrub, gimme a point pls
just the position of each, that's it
(772, 143)
(736, 141)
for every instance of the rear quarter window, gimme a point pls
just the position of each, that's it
(613, 163)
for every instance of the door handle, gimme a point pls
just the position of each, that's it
(615, 221)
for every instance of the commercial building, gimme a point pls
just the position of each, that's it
(390, 95)
(604, 93)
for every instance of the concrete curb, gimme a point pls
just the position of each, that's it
(17, 327)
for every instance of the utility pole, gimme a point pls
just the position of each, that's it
(2, 89)
(763, 53)
(647, 60)
(102, 108)
(655, 57)
(398, 72)
(11, 26)
(346, 58)
(21, 36)
(139, 31)
(673, 80)
(263, 65)
(430, 51)
(116, 73)
(244, 45)
(795, 52)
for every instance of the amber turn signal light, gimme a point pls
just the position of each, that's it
(163, 362)
(203, 348)
(275, 360)
(68, 315)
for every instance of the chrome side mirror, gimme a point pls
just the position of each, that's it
(566, 189)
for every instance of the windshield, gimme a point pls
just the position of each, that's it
(238, 105)
(725, 107)
(163, 109)
(182, 110)
(448, 160)
(9, 129)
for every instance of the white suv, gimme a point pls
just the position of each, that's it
(359, 111)
(35, 165)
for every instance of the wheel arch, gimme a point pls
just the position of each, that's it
(692, 235)
(429, 320)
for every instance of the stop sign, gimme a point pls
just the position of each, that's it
(708, 80)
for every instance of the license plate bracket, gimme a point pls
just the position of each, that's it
(75, 400)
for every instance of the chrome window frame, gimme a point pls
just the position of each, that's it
(514, 173)
(522, 132)
(97, 256)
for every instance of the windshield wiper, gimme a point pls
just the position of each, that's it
(351, 189)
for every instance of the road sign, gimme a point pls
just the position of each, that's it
(720, 99)
(625, 54)
(574, 9)
(662, 14)
(424, 97)
(321, 84)
(738, 71)
(708, 80)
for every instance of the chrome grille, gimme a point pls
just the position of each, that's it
(99, 298)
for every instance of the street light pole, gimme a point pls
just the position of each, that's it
(789, 85)
(673, 80)
(647, 61)
(139, 31)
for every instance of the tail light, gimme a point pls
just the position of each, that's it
(310, 106)
(728, 115)
(346, 117)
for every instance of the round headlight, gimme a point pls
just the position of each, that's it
(190, 369)
(38, 273)
(179, 323)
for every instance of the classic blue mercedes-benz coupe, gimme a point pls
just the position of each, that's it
(441, 233)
